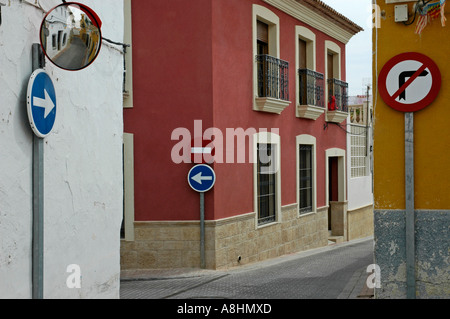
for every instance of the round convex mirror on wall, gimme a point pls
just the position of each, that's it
(70, 36)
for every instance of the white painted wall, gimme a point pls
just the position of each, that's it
(360, 193)
(83, 162)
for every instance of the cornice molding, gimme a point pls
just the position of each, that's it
(313, 19)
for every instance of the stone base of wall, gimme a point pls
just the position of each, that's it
(243, 239)
(432, 254)
(229, 242)
(360, 223)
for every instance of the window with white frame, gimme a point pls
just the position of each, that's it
(127, 227)
(306, 174)
(358, 150)
(128, 54)
(310, 98)
(270, 73)
(267, 182)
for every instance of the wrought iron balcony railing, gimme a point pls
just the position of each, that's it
(311, 88)
(273, 77)
(337, 95)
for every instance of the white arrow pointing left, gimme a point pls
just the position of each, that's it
(46, 103)
(199, 178)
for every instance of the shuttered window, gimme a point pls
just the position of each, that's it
(262, 37)
(301, 54)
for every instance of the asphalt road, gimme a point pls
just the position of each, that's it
(333, 272)
(73, 57)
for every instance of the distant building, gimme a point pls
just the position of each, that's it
(360, 167)
(272, 75)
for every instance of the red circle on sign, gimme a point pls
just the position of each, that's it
(391, 99)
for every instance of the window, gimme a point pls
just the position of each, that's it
(267, 184)
(270, 73)
(128, 54)
(336, 90)
(262, 38)
(305, 178)
(301, 54)
(267, 181)
(358, 145)
(127, 228)
(309, 83)
(306, 174)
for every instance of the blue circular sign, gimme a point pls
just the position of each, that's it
(201, 178)
(41, 103)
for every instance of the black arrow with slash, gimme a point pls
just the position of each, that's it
(402, 80)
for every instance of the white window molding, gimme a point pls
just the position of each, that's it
(306, 139)
(128, 192)
(305, 111)
(335, 50)
(267, 138)
(265, 15)
(309, 37)
(128, 56)
(342, 183)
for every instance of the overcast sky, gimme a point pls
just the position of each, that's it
(359, 49)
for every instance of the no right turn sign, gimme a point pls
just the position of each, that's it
(409, 82)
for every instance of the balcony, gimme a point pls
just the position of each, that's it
(311, 94)
(337, 101)
(273, 84)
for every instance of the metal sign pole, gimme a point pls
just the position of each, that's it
(202, 230)
(202, 178)
(38, 200)
(410, 210)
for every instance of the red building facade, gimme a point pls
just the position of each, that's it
(251, 75)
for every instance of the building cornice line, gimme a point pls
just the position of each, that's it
(334, 28)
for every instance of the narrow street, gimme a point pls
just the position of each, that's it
(72, 58)
(333, 272)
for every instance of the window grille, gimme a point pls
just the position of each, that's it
(311, 91)
(273, 77)
(305, 179)
(338, 90)
(267, 186)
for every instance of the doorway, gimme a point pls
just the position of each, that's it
(336, 193)
(333, 185)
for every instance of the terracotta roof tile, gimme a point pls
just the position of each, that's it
(331, 14)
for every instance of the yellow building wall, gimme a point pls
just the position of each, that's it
(432, 125)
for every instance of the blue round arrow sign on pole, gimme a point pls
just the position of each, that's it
(201, 178)
(41, 103)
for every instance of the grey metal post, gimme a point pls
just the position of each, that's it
(38, 200)
(410, 209)
(202, 231)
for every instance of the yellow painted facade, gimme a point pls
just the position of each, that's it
(432, 127)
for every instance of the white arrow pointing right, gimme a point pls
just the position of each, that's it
(46, 103)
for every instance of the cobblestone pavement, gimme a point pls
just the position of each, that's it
(334, 272)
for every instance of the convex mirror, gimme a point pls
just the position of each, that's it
(70, 36)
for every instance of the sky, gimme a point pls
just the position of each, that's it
(359, 49)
